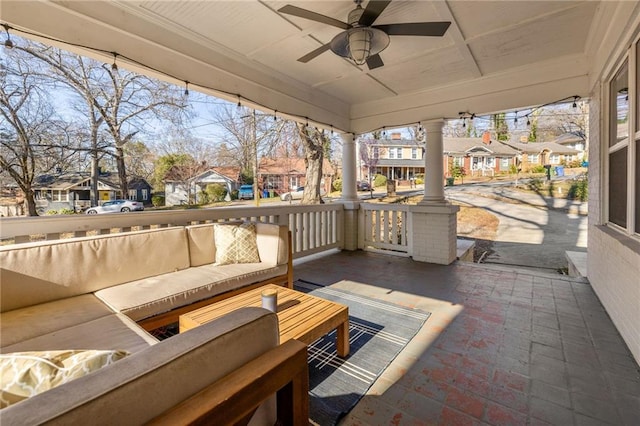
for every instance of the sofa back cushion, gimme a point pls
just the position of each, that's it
(44, 271)
(145, 384)
(272, 241)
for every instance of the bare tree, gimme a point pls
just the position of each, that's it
(124, 102)
(315, 143)
(30, 132)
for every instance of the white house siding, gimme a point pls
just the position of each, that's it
(613, 266)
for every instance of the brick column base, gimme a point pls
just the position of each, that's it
(434, 236)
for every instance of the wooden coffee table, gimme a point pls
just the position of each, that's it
(300, 316)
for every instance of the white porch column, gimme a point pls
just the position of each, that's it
(349, 196)
(349, 167)
(433, 168)
(434, 219)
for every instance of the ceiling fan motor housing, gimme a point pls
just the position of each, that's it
(359, 42)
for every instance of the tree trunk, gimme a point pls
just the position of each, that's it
(122, 172)
(30, 199)
(313, 142)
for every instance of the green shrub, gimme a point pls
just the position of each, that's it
(216, 192)
(203, 197)
(579, 190)
(379, 180)
(419, 181)
(337, 185)
(66, 211)
(51, 212)
(536, 184)
(538, 168)
(234, 194)
(513, 169)
(157, 200)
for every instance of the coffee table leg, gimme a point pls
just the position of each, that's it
(342, 343)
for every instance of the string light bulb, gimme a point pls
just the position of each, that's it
(464, 122)
(528, 121)
(239, 103)
(114, 66)
(186, 88)
(8, 43)
(275, 114)
(384, 131)
(575, 105)
(515, 120)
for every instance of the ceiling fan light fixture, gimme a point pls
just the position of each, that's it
(359, 43)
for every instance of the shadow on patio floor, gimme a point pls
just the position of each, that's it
(503, 345)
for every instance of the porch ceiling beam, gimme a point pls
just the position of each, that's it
(521, 88)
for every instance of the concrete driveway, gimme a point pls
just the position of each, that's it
(534, 231)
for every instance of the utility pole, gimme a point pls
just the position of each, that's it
(256, 189)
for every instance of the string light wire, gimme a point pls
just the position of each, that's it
(10, 44)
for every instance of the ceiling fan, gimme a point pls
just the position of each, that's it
(361, 41)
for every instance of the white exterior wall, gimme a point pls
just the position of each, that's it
(613, 264)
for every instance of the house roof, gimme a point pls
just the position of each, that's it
(217, 174)
(72, 180)
(569, 138)
(539, 147)
(290, 166)
(476, 146)
(494, 56)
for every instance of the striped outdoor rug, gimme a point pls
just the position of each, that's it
(377, 333)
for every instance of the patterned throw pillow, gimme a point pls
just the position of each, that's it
(25, 374)
(235, 243)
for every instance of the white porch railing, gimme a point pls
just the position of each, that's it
(314, 227)
(385, 227)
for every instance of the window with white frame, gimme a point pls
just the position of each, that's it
(399, 152)
(414, 153)
(504, 163)
(554, 159)
(376, 152)
(458, 161)
(623, 154)
(145, 194)
(133, 195)
(533, 158)
(57, 195)
(392, 153)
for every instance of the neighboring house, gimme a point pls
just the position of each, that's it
(139, 190)
(71, 191)
(478, 156)
(179, 191)
(543, 153)
(403, 159)
(576, 142)
(283, 174)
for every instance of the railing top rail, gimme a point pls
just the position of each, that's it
(389, 207)
(14, 226)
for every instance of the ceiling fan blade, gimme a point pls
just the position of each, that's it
(435, 29)
(374, 61)
(313, 16)
(309, 56)
(372, 11)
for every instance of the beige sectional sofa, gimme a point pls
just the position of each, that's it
(102, 292)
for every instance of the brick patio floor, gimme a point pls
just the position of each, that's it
(503, 346)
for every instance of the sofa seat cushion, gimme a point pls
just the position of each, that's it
(145, 384)
(115, 331)
(37, 320)
(26, 374)
(151, 296)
